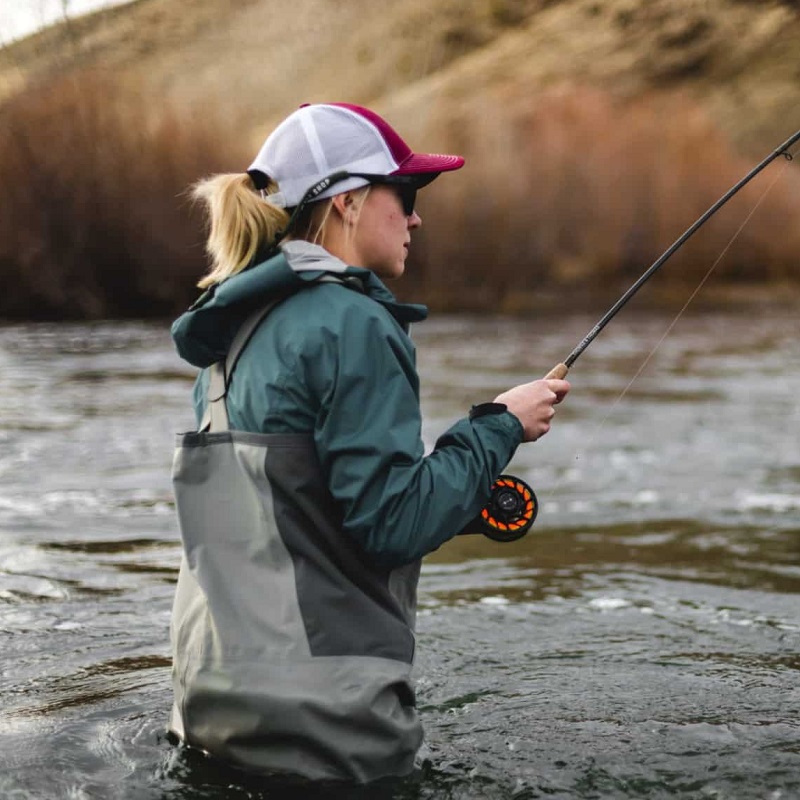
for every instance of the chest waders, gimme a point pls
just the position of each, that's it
(292, 649)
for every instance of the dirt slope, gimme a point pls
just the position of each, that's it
(256, 59)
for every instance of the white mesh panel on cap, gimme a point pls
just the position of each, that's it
(316, 141)
(315, 145)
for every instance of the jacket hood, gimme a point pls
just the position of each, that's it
(204, 333)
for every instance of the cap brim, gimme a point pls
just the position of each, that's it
(422, 163)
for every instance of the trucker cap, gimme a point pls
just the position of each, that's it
(319, 140)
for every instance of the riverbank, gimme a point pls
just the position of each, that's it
(595, 133)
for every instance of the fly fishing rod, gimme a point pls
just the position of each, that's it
(513, 506)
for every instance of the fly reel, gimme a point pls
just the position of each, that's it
(510, 512)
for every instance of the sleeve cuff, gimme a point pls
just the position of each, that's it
(482, 409)
(501, 417)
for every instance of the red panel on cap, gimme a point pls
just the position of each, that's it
(410, 162)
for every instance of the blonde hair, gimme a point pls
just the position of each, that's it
(242, 222)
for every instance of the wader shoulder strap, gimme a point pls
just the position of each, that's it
(215, 417)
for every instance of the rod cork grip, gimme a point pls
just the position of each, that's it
(559, 371)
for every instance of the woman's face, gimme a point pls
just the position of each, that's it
(382, 233)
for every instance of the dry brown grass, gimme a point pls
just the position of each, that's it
(573, 194)
(566, 197)
(95, 222)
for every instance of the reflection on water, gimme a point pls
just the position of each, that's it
(642, 642)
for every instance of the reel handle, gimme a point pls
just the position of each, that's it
(510, 512)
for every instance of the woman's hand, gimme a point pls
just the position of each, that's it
(532, 404)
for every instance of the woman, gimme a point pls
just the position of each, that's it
(306, 500)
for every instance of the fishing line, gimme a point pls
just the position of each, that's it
(513, 506)
(694, 294)
(598, 430)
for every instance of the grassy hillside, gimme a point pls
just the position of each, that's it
(257, 58)
(595, 132)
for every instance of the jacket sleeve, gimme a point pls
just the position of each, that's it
(397, 502)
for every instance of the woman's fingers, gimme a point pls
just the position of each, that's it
(533, 404)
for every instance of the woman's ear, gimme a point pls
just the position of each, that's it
(342, 204)
(348, 206)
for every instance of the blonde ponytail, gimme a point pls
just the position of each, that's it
(240, 222)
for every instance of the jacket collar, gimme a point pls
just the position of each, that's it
(203, 334)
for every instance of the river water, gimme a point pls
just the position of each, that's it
(642, 641)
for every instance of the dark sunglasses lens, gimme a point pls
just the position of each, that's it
(408, 197)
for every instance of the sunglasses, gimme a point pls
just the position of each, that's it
(404, 187)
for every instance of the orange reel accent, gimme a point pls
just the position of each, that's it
(510, 512)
